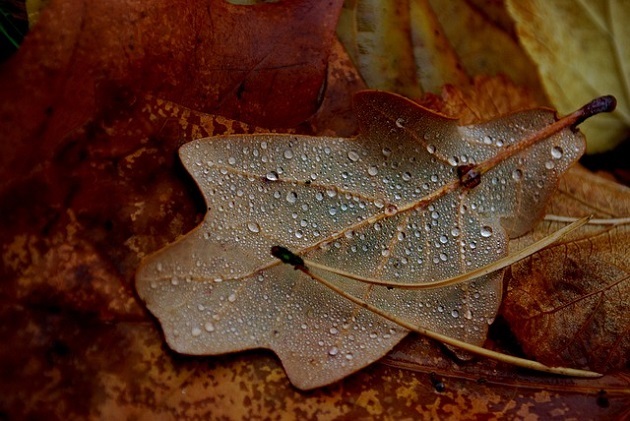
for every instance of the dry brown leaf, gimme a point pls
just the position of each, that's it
(569, 304)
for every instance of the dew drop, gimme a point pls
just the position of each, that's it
(303, 326)
(353, 156)
(440, 309)
(431, 149)
(487, 140)
(349, 356)
(272, 176)
(455, 314)
(291, 197)
(288, 153)
(556, 152)
(372, 170)
(232, 298)
(401, 236)
(195, 331)
(209, 327)
(400, 123)
(333, 330)
(386, 151)
(299, 234)
(549, 165)
(391, 210)
(406, 176)
(486, 231)
(517, 175)
(332, 210)
(231, 160)
(253, 227)
(333, 351)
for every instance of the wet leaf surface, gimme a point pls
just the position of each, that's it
(387, 204)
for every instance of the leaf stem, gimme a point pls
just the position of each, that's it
(520, 362)
(464, 277)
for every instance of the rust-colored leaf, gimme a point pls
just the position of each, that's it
(568, 304)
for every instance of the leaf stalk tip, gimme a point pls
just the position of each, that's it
(602, 104)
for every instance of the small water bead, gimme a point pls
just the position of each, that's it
(443, 257)
(431, 149)
(556, 152)
(455, 232)
(334, 331)
(253, 227)
(288, 153)
(291, 197)
(231, 160)
(209, 327)
(299, 234)
(232, 297)
(406, 176)
(400, 123)
(372, 170)
(195, 331)
(272, 176)
(455, 314)
(401, 236)
(332, 211)
(319, 196)
(440, 308)
(391, 210)
(349, 356)
(517, 175)
(453, 161)
(443, 239)
(550, 165)
(472, 245)
(487, 140)
(386, 151)
(486, 231)
(333, 351)
(353, 156)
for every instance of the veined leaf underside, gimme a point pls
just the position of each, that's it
(386, 205)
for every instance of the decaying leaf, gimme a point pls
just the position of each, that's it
(582, 50)
(568, 304)
(388, 204)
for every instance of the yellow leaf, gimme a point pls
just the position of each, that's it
(582, 50)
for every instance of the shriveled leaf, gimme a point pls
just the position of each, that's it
(483, 47)
(387, 204)
(568, 304)
(419, 58)
(582, 50)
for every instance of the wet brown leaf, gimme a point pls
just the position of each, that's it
(387, 204)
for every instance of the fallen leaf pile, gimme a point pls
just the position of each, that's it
(93, 108)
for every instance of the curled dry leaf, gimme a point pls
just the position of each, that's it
(387, 204)
(568, 304)
(582, 50)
